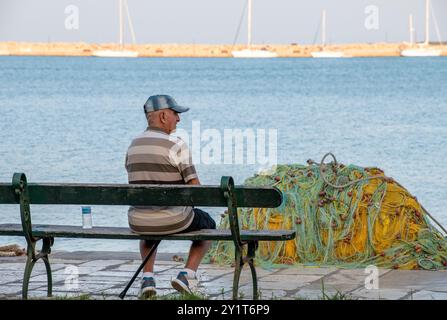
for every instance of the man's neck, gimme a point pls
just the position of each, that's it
(154, 128)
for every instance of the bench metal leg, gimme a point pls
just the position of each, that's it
(254, 279)
(154, 247)
(252, 246)
(20, 186)
(227, 186)
(31, 261)
(28, 269)
(239, 264)
(49, 276)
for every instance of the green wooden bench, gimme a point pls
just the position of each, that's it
(225, 195)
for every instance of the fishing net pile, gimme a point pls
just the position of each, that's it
(347, 216)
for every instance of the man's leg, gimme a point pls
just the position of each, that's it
(202, 220)
(196, 253)
(148, 280)
(145, 247)
(187, 280)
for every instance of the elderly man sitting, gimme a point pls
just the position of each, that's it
(157, 157)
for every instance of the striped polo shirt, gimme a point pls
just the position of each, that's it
(155, 157)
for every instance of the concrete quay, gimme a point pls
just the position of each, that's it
(103, 275)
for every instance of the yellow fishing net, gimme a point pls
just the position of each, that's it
(347, 216)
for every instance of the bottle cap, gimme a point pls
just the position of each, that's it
(86, 210)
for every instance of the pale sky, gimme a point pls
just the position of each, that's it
(216, 21)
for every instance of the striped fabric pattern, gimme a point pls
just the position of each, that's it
(155, 157)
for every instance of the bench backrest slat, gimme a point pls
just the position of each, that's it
(139, 195)
(7, 194)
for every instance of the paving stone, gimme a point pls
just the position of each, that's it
(6, 289)
(83, 287)
(8, 276)
(64, 295)
(281, 285)
(313, 294)
(439, 288)
(163, 284)
(173, 271)
(38, 267)
(112, 274)
(162, 262)
(344, 280)
(96, 255)
(210, 266)
(264, 292)
(38, 294)
(245, 277)
(67, 261)
(429, 295)
(287, 282)
(38, 274)
(42, 294)
(379, 294)
(303, 270)
(228, 295)
(33, 285)
(133, 291)
(260, 272)
(306, 294)
(216, 290)
(272, 294)
(102, 264)
(227, 281)
(56, 276)
(103, 297)
(415, 280)
(134, 267)
(12, 266)
(216, 269)
(212, 273)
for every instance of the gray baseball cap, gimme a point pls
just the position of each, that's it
(162, 101)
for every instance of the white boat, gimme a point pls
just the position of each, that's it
(115, 53)
(325, 53)
(249, 52)
(423, 50)
(121, 52)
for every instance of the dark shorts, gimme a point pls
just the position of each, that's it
(201, 220)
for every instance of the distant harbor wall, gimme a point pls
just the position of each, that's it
(201, 50)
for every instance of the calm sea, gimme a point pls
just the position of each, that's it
(69, 119)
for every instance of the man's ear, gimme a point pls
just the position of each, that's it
(163, 117)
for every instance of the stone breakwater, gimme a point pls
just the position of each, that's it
(201, 50)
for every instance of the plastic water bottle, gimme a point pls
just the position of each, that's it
(86, 217)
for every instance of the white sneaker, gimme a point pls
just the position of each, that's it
(184, 284)
(147, 288)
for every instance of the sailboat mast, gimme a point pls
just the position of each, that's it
(132, 32)
(411, 28)
(249, 23)
(427, 23)
(323, 19)
(120, 3)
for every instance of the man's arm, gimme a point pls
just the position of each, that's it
(185, 166)
(194, 181)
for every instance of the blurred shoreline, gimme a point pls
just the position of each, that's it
(203, 50)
